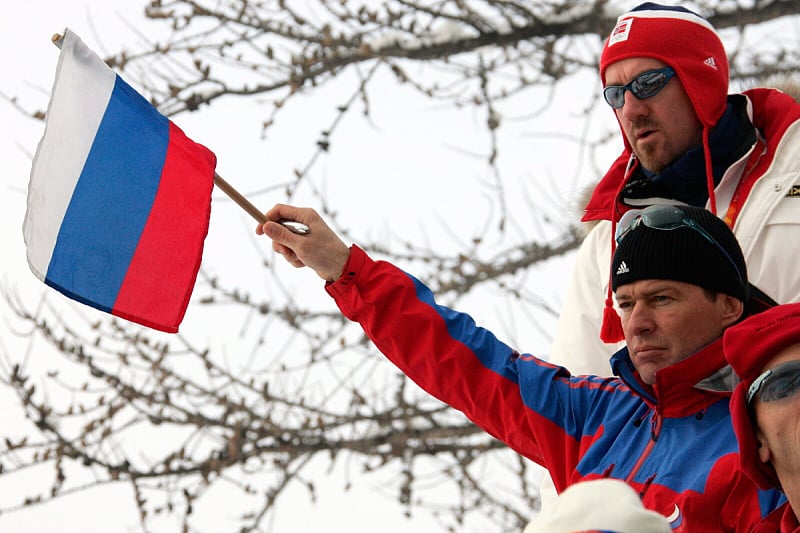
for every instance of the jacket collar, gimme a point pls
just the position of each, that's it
(682, 389)
(789, 522)
(769, 110)
(684, 180)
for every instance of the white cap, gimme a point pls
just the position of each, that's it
(600, 504)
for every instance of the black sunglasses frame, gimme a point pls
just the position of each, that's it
(645, 85)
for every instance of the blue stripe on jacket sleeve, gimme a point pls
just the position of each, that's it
(491, 352)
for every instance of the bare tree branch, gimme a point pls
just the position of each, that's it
(174, 418)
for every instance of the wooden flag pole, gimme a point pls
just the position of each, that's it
(226, 187)
(244, 203)
(236, 196)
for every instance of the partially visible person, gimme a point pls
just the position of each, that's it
(686, 142)
(764, 350)
(598, 505)
(663, 426)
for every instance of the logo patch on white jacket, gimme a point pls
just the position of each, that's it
(794, 192)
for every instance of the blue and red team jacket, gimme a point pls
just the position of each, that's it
(673, 442)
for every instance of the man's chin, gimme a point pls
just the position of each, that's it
(651, 162)
(647, 372)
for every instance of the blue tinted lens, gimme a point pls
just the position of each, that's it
(649, 84)
(645, 85)
(777, 383)
(668, 217)
(664, 217)
(615, 96)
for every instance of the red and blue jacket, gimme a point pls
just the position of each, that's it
(673, 441)
(782, 520)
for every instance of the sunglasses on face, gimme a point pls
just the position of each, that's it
(645, 85)
(776, 383)
(668, 217)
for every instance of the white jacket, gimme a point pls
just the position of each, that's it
(768, 229)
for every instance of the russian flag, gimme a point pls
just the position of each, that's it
(119, 197)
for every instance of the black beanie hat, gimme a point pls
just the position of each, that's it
(681, 254)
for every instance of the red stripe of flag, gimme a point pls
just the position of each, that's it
(158, 284)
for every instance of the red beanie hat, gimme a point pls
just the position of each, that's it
(681, 39)
(749, 346)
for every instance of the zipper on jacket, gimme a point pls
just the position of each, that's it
(654, 433)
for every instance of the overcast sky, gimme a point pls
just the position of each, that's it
(403, 156)
(412, 146)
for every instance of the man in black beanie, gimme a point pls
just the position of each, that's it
(663, 425)
(674, 267)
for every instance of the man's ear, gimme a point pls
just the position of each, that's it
(732, 309)
(763, 449)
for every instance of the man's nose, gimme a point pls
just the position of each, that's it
(639, 319)
(633, 107)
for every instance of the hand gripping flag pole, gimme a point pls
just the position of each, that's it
(244, 203)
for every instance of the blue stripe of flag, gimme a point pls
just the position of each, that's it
(112, 200)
